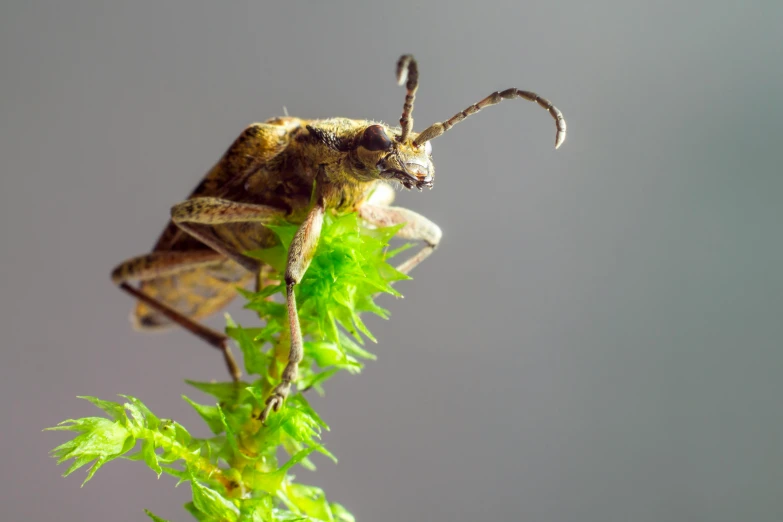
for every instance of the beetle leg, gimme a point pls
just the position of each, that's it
(299, 256)
(214, 211)
(256, 145)
(196, 215)
(160, 264)
(264, 279)
(416, 227)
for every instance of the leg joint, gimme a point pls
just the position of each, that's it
(434, 235)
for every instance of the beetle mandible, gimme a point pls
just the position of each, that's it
(269, 173)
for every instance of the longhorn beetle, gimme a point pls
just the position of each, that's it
(297, 170)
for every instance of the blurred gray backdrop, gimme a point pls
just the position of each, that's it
(597, 339)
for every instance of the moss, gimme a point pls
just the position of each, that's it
(235, 475)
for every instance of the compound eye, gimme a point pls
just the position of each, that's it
(375, 139)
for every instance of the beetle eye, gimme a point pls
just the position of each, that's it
(375, 139)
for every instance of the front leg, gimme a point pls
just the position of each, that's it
(195, 216)
(416, 227)
(299, 256)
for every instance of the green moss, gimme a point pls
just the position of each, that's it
(235, 475)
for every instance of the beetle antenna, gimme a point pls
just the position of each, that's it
(436, 129)
(407, 69)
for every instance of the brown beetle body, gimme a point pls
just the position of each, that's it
(296, 170)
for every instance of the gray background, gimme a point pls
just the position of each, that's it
(599, 337)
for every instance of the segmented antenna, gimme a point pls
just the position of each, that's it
(436, 129)
(407, 69)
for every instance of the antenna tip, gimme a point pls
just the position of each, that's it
(402, 68)
(402, 75)
(559, 139)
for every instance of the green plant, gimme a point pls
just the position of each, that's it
(235, 475)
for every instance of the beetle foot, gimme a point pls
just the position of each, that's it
(275, 400)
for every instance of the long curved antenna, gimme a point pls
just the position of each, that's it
(407, 69)
(436, 129)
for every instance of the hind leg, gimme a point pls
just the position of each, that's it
(161, 264)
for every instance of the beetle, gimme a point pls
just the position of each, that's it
(293, 169)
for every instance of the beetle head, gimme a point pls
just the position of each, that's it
(393, 160)
(399, 154)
